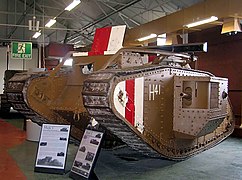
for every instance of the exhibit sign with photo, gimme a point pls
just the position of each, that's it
(52, 149)
(87, 153)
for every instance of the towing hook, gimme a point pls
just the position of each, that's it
(76, 116)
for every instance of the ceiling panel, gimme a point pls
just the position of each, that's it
(78, 25)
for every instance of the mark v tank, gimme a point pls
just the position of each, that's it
(161, 108)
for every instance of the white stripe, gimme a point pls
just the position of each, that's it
(139, 103)
(109, 52)
(119, 106)
(116, 38)
(80, 54)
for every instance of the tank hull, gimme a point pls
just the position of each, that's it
(145, 107)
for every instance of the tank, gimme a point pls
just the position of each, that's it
(163, 108)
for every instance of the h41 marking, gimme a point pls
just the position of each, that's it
(154, 89)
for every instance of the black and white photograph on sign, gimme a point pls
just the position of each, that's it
(49, 161)
(86, 153)
(63, 138)
(52, 146)
(89, 156)
(94, 141)
(77, 164)
(83, 149)
(43, 143)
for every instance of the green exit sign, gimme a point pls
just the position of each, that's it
(21, 50)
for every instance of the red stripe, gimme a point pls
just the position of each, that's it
(100, 42)
(130, 107)
(151, 58)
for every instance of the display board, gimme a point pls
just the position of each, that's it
(87, 154)
(52, 149)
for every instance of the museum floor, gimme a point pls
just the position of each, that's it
(17, 157)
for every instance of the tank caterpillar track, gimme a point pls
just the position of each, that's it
(16, 92)
(17, 95)
(4, 104)
(98, 95)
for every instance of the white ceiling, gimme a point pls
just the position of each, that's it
(78, 25)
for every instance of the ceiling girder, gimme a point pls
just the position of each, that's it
(21, 18)
(133, 21)
(99, 6)
(120, 15)
(110, 14)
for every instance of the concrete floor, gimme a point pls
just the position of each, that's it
(221, 162)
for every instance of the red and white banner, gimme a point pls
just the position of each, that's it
(107, 40)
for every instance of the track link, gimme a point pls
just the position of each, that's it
(16, 95)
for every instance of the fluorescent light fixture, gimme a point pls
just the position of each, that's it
(79, 46)
(68, 62)
(161, 39)
(162, 35)
(50, 23)
(30, 25)
(204, 21)
(37, 25)
(147, 37)
(231, 26)
(72, 5)
(37, 34)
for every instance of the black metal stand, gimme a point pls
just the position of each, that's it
(93, 176)
(93, 137)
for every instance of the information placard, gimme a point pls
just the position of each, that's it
(52, 149)
(87, 154)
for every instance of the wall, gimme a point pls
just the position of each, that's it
(15, 64)
(224, 58)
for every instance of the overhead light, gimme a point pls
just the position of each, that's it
(204, 21)
(79, 45)
(33, 24)
(50, 23)
(231, 26)
(147, 37)
(161, 39)
(77, 42)
(37, 34)
(72, 5)
(162, 35)
(68, 62)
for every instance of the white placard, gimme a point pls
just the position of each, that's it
(87, 152)
(53, 146)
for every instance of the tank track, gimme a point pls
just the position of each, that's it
(4, 104)
(16, 94)
(96, 100)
